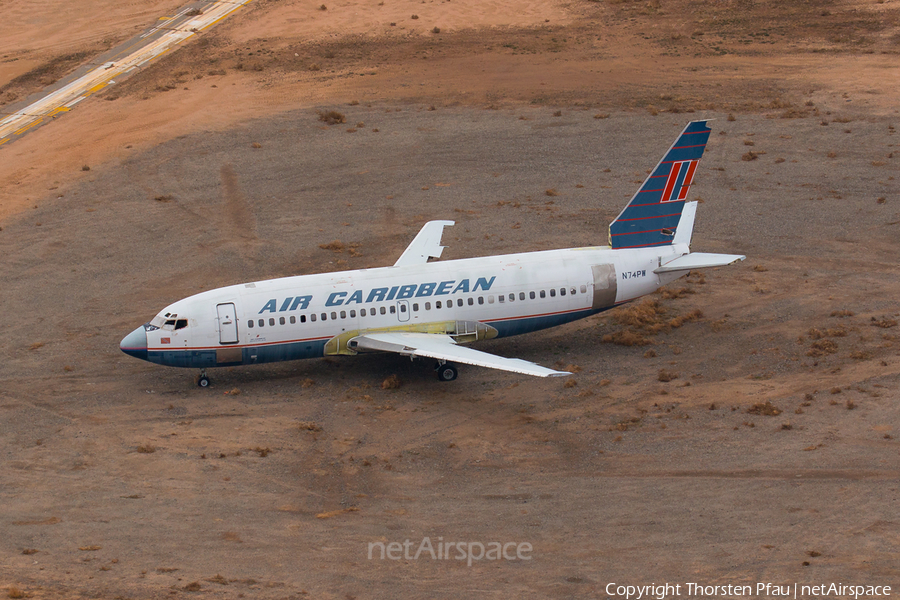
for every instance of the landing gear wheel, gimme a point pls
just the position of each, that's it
(203, 380)
(446, 372)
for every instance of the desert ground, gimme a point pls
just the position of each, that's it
(740, 426)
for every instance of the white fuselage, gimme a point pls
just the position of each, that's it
(314, 315)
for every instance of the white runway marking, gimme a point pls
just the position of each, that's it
(63, 99)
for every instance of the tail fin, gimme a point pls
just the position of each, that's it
(653, 214)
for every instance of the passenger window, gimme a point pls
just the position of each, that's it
(324, 316)
(415, 306)
(572, 291)
(428, 306)
(180, 324)
(500, 297)
(553, 293)
(512, 297)
(584, 289)
(437, 304)
(250, 323)
(480, 299)
(531, 295)
(281, 321)
(362, 312)
(543, 294)
(312, 317)
(490, 299)
(262, 322)
(333, 316)
(522, 296)
(271, 321)
(393, 309)
(383, 311)
(303, 318)
(562, 291)
(343, 314)
(352, 314)
(293, 320)
(471, 301)
(459, 301)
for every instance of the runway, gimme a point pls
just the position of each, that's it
(111, 66)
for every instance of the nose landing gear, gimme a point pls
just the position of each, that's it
(202, 379)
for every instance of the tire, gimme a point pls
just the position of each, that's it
(447, 372)
(203, 381)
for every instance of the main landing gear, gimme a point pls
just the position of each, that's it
(202, 379)
(445, 371)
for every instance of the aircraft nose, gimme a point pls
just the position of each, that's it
(135, 343)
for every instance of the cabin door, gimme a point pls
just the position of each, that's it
(228, 333)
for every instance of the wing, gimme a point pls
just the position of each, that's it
(427, 244)
(443, 347)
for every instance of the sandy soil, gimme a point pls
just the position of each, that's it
(121, 479)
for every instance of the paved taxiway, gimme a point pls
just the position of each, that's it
(119, 62)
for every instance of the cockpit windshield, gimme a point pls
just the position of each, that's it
(169, 322)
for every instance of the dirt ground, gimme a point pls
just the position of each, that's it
(752, 441)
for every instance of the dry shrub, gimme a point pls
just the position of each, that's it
(750, 156)
(665, 375)
(787, 426)
(573, 368)
(842, 313)
(570, 383)
(626, 337)
(307, 383)
(15, 592)
(90, 548)
(436, 30)
(146, 449)
(860, 355)
(29, 551)
(391, 383)
(821, 348)
(884, 323)
(670, 294)
(37, 345)
(766, 409)
(694, 315)
(551, 192)
(309, 426)
(335, 246)
(835, 390)
(256, 145)
(643, 314)
(601, 116)
(217, 579)
(194, 586)
(263, 452)
(818, 334)
(651, 353)
(760, 269)
(850, 405)
(331, 117)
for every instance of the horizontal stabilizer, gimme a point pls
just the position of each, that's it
(427, 244)
(698, 260)
(443, 347)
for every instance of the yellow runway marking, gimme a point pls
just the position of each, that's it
(27, 127)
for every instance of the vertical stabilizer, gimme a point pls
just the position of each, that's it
(653, 215)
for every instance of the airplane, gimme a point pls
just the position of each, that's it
(425, 309)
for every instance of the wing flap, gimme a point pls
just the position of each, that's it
(443, 347)
(427, 244)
